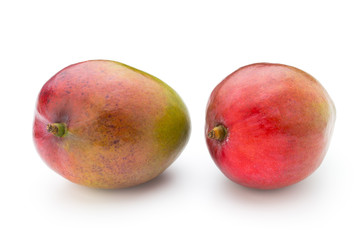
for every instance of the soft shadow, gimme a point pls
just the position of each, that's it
(75, 194)
(288, 196)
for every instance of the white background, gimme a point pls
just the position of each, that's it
(192, 46)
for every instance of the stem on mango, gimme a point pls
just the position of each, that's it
(58, 129)
(218, 133)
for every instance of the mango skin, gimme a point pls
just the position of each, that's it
(279, 122)
(124, 126)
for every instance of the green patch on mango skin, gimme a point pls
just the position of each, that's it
(172, 129)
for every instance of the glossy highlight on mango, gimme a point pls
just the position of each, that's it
(269, 125)
(104, 124)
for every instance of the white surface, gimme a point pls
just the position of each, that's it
(191, 45)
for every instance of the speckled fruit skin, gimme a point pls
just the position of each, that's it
(279, 122)
(125, 127)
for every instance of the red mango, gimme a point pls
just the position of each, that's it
(269, 125)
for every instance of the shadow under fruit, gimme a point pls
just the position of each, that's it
(104, 124)
(269, 125)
